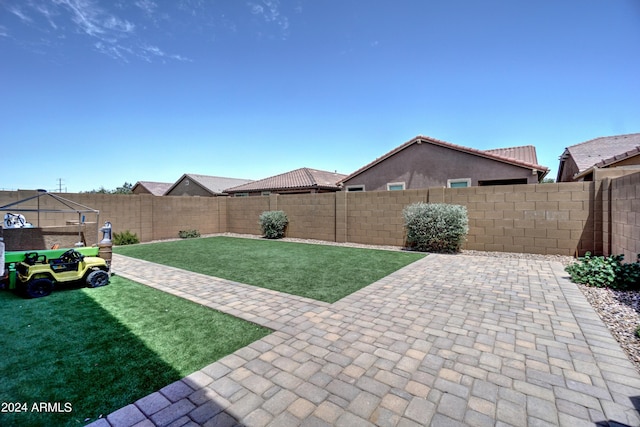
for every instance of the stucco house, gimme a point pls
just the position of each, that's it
(191, 184)
(425, 162)
(151, 187)
(298, 181)
(600, 157)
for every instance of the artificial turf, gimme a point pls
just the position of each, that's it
(96, 350)
(321, 272)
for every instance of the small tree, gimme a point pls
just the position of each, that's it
(273, 224)
(436, 227)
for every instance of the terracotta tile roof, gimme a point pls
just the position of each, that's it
(525, 153)
(588, 154)
(155, 188)
(303, 178)
(482, 153)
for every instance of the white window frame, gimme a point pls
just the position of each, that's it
(355, 188)
(241, 195)
(457, 180)
(392, 184)
(266, 193)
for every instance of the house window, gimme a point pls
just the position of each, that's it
(459, 183)
(355, 188)
(395, 186)
(266, 193)
(241, 195)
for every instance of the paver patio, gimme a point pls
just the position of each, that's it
(449, 340)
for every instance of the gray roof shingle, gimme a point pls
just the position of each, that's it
(213, 184)
(216, 184)
(602, 150)
(155, 188)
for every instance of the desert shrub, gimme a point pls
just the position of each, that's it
(435, 227)
(125, 238)
(601, 272)
(188, 234)
(273, 224)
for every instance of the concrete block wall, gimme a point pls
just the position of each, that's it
(150, 217)
(243, 213)
(376, 217)
(563, 218)
(311, 216)
(625, 216)
(170, 215)
(543, 218)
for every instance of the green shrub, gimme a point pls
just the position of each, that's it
(125, 238)
(188, 234)
(273, 224)
(435, 227)
(601, 272)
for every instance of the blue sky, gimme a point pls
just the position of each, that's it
(99, 92)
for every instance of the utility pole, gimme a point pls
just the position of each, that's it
(59, 185)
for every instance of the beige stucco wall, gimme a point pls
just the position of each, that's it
(421, 166)
(188, 187)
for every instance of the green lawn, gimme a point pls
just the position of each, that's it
(321, 272)
(101, 349)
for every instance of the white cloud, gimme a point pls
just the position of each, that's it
(148, 6)
(93, 20)
(256, 9)
(102, 22)
(49, 14)
(114, 51)
(19, 13)
(270, 12)
(115, 24)
(155, 51)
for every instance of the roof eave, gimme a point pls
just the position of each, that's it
(584, 173)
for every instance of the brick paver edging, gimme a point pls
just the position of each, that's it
(448, 340)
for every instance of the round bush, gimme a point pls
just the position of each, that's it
(436, 227)
(273, 224)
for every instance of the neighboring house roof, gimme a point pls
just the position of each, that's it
(214, 184)
(303, 178)
(526, 153)
(155, 188)
(592, 152)
(501, 155)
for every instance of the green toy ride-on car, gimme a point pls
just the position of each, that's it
(37, 276)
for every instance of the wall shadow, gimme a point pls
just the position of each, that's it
(67, 361)
(635, 400)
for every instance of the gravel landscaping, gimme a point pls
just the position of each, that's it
(619, 310)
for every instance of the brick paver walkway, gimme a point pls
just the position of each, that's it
(449, 340)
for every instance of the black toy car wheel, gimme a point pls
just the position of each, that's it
(97, 278)
(38, 288)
